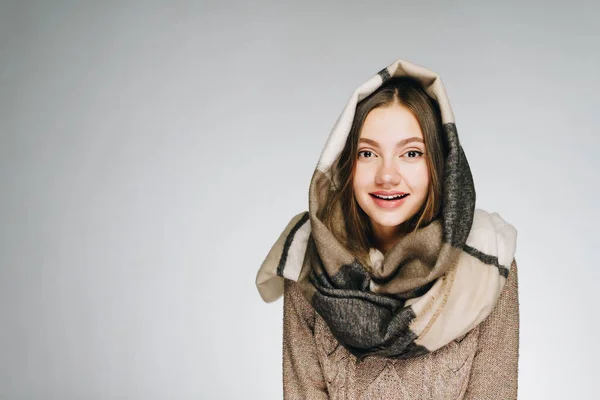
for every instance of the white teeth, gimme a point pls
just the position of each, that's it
(389, 197)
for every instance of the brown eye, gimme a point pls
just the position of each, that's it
(364, 151)
(414, 152)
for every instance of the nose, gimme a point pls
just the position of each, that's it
(387, 174)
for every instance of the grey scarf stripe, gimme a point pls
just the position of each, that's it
(288, 243)
(459, 192)
(385, 75)
(486, 259)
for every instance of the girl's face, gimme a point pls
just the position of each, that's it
(390, 161)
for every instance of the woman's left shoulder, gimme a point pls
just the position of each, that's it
(483, 219)
(494, 236)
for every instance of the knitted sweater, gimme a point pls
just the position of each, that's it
(482, 364)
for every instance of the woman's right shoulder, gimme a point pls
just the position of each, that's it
(292, 291)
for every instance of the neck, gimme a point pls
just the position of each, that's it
(386, 237)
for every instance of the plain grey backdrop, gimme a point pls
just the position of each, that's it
(152, 152)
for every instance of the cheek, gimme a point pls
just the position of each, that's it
(361, 178)
(418, 178)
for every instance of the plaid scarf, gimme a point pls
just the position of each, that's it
(433, 286)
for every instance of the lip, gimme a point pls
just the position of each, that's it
(383, 193)
(388, 204)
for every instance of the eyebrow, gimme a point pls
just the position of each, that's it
(399, 144)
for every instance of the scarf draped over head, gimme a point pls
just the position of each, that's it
(430, 288)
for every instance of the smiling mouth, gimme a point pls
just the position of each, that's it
(389, 198)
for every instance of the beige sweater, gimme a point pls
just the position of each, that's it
(483, 364)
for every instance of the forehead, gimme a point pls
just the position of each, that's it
(390, 124)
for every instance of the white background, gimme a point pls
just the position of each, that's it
(152, 152)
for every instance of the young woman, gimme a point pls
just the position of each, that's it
(395, 286)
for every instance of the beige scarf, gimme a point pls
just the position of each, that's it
(433, 286)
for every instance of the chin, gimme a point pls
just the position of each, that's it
(388, 220)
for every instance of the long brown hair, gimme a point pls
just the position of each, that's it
(358, 236)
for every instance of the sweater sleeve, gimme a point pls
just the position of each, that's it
(302, 375)
(495, 367)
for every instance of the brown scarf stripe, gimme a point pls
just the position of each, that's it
(288, 243)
